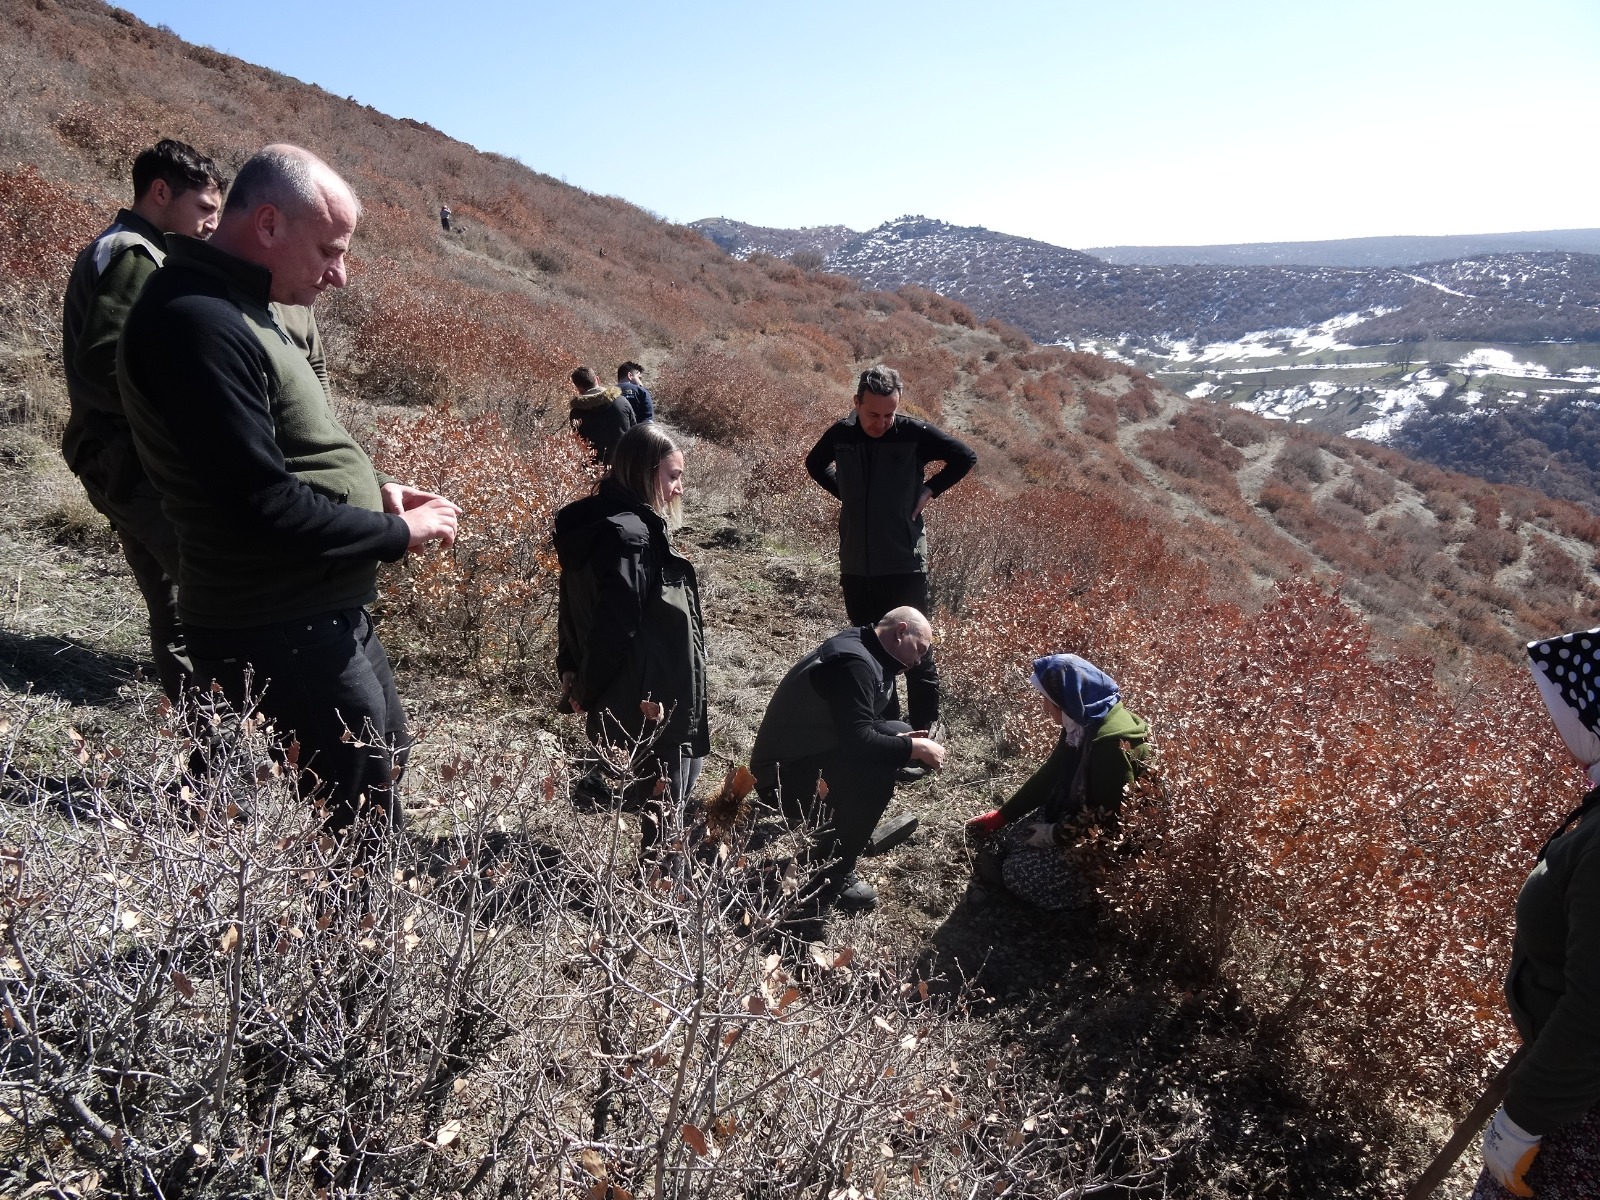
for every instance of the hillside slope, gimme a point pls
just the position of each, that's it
(1061, 295)
(1343, 349)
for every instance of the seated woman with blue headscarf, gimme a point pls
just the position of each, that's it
(1102, 748)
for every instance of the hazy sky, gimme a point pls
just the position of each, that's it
(1119, 121)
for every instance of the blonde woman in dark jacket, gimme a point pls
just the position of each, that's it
(631, 646)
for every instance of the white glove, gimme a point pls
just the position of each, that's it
(1042, 835)
(1508, 1152)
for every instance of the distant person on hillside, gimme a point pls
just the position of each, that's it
(600, 414)
(280, 517)
(630, 382)
(873, 461)
(1544, 1140)
(444, 217)
(1102, 747)
(631, 644)
(176, 190)
(828, 720)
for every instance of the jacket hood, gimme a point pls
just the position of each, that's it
(596, 397)
(609, 513)
(1123, 722)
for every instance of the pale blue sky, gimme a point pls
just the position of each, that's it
(1125, 121)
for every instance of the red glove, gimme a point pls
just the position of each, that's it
(987, 823)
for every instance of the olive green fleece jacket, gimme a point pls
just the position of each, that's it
(1121, 741)
(1553, 986)
(277, 509)
(107, 277)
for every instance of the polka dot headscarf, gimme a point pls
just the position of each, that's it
(1567, 670)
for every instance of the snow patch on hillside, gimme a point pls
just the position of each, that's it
(1323, 337)
(1490, 361)
(1392, 405)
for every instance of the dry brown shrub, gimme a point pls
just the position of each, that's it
(1356, 928)
(1486, 550)
(1237, 429)
(1301, 464)
(43, 225)
(1552, 566)
(488, 602)
(1100, 417)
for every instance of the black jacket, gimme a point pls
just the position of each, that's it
(878, 481)
(601, 416)
(630, 626)
(830, 701)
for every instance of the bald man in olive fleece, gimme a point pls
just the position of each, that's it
(281, 518)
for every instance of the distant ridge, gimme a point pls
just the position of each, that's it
(1400, 251)
(741, 240)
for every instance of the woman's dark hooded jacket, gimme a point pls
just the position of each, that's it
(630, 627)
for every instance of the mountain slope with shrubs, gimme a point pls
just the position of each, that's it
(1062, 295)
(1289, 973)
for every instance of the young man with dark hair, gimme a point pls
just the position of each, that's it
(599, 414)
(176, 191)
(630, 382)
(873, 461)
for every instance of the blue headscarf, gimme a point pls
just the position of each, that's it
(1082, 690)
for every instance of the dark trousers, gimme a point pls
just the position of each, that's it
(150, 544)
(319, 679)
(858, 795)
(682, 771)
(866, 599)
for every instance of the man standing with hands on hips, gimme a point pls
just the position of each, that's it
(280, 517)
(873, 461)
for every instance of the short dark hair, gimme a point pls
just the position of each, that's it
(583, 379)
(625, 368)
(179, 164)
(880, 381)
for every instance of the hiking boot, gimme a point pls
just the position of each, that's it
(910, 774)
(890, 834)
(855, 895)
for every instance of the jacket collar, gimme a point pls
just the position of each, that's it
(615, 493)
(596, 397)
(874, 644)
(253, 280)
(134, 223)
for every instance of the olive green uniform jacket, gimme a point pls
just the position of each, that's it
(1116, 755)
(278, 511)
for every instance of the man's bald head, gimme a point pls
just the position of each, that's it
(905, 634)
(289, 211)
(292, 180)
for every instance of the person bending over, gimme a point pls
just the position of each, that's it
(827, 720)
(1544, 1140)
(1102, 747)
